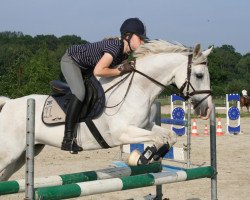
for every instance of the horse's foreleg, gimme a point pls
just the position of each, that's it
(168, 134)
(132, 135)
(171, 138)
(160, 137)
(160, 152)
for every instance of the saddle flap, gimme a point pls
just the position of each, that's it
(53, 114)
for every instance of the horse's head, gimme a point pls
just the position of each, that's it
(195, 84)
(168, 63)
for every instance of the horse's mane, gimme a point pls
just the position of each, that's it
(160, 46)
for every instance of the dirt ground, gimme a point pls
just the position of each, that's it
(233, 160)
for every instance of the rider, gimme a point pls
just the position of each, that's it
(101, 59)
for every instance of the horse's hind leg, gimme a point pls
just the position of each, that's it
(18, 163)
(7, 161)
(12, 168)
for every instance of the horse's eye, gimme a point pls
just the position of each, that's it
(199, 76)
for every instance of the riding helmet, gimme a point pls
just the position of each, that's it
(135, 26)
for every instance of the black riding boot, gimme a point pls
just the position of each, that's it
(69, 141)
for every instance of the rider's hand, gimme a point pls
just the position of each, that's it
(126, 67)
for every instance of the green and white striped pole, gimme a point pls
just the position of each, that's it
(118, 184)
(10, 187)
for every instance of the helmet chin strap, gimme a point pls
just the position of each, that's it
(128, 40)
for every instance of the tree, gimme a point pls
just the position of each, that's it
(41, 69)
(222, 68)
(12, 63)
(28, 64)
(243, 69)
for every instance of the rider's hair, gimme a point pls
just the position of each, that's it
(111, 38)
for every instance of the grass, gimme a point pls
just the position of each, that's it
(245, 114)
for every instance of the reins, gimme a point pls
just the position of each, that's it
(187, 84)
(150, 78)
(117, 84)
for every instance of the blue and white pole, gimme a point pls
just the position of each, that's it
(178, 113)
(233, 113)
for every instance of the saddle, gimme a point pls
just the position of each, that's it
(56, 105)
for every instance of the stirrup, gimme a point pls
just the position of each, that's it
(71, 145)
(75, 148)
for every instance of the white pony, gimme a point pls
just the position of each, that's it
(125, 124)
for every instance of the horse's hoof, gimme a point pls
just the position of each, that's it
(134, 158)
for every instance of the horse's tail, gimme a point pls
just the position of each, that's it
(3, 101)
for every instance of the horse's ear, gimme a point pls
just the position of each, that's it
(197, 49)
(208, 51)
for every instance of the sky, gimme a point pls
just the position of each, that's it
(213, 22)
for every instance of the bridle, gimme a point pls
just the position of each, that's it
(187, 84)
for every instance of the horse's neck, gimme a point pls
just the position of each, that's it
(161, 67)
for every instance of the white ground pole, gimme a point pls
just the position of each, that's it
(30, 133)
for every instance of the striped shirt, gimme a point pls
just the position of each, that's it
(87, 55)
